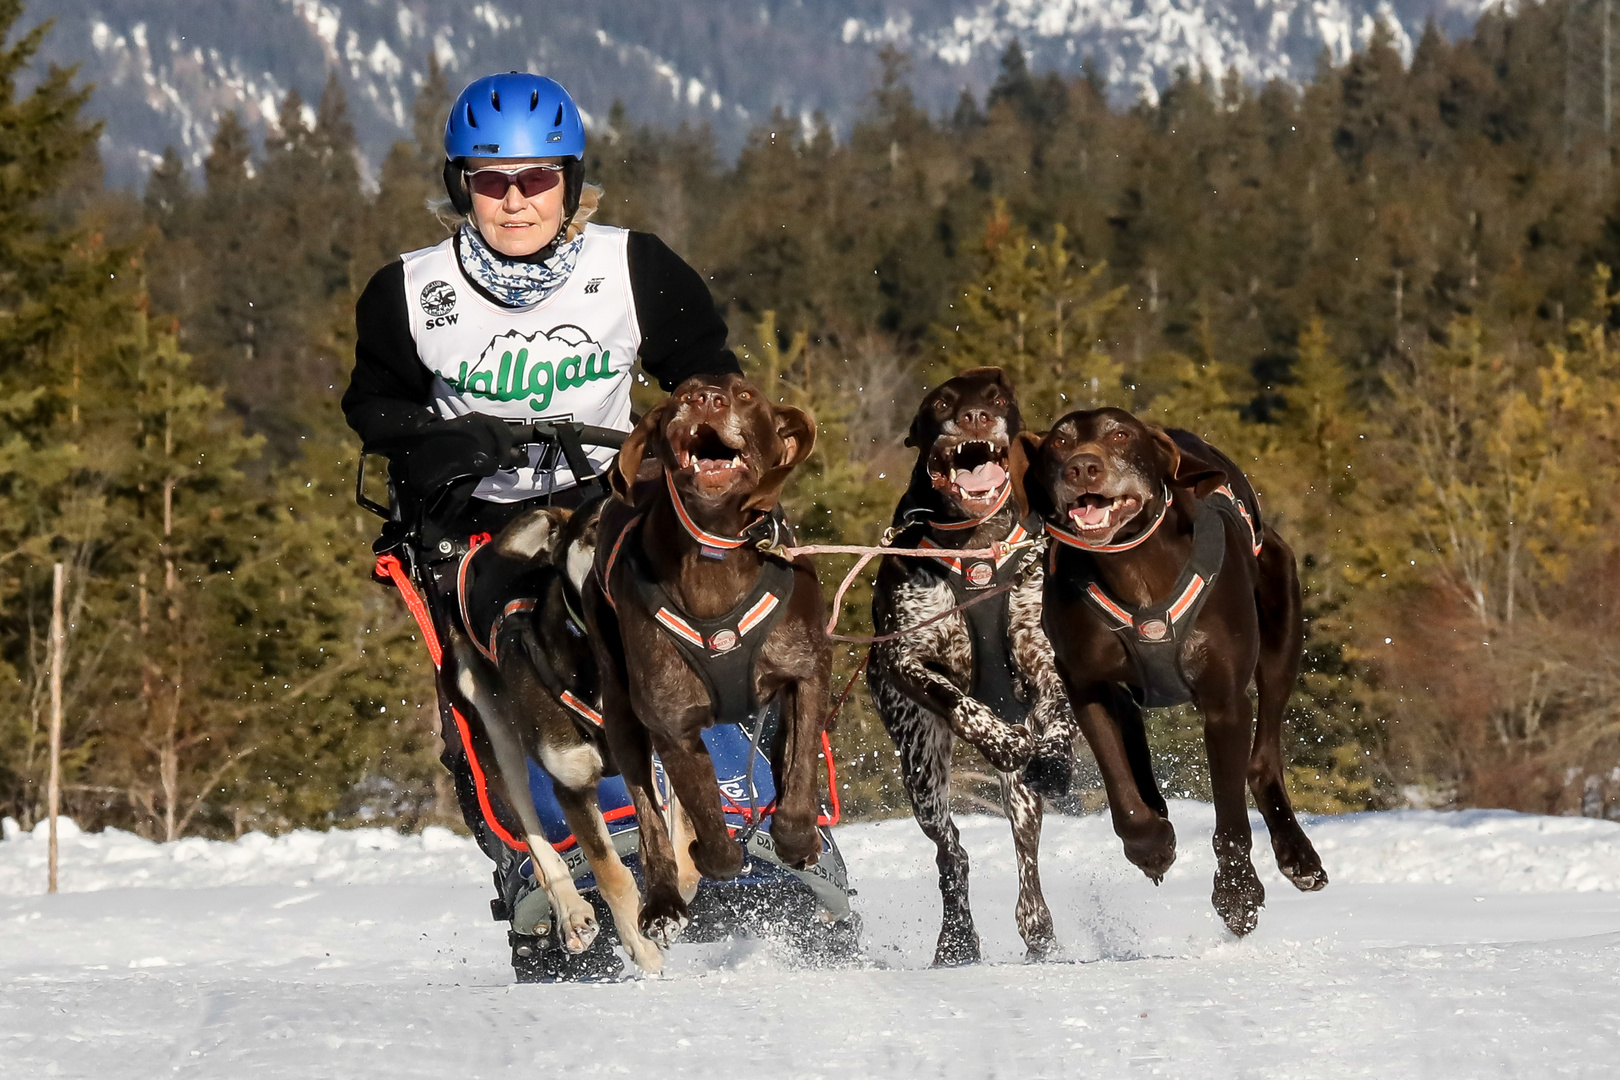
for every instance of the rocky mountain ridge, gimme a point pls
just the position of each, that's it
(165, 70)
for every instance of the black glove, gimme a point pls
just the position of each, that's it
(475, 445)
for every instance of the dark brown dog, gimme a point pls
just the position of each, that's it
(1134, 599)
(986, 674)
(690, 527)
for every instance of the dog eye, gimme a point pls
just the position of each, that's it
(1122, 436)
(743, 395)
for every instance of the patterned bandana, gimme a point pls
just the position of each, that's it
(516, 284)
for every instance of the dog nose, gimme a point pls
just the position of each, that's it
(975, 421)
(1083, 469)
(709, 399)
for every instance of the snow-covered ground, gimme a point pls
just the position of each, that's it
(1478, 944)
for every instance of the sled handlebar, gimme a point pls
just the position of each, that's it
(569, 438)
(554, 431)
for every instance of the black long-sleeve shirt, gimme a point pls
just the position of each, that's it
(388, 401)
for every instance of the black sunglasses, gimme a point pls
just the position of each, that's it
(530, 180)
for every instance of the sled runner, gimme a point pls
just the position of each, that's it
(807, 908)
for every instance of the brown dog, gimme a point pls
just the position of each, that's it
(1163, 579)
(693, 623)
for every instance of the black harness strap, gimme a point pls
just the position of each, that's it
(995, 679)
(1153, 635)
(722, 651)
(486, 582)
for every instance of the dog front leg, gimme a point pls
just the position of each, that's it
(1282, 641)
(924, 742)
(1007, 747)
(691, 774)
(1150, 840)
(1238, 894)
(575, 918)
(793, 826)
(584, 815)
(663, 913)
(1034, 918)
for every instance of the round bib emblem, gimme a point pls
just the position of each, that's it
(438, 298)
(1154, 630)
(724, 641)
(980, 574)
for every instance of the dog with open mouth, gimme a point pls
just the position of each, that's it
(1164, 581)
(696, 622)
(985, 674)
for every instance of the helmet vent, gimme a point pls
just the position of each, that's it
(534, 100)
(495, 99)
(472, 121)
(558, 122)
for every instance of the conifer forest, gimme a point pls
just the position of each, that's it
(1389, 294)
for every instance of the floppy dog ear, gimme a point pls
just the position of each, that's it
(914, 437)
(534, 534)
(648, 435)
(1022, 453)
(1186, 468)
(797, 430)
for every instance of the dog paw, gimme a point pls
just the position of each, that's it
(718, 861)
(1238, 897)
(576, 923)
(1051, 771)
(1150, 846)
(663, 917)
(1007, 747)
(1299, 863)
(957, 947)
(798, 846)
(643, 952)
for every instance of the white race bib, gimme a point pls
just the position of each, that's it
(566, 358)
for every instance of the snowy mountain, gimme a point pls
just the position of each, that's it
(166, 69)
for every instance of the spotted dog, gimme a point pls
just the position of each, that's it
(986, 674)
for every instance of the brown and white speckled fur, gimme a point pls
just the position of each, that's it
(920, 682)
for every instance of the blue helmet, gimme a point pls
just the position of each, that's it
(515, 115)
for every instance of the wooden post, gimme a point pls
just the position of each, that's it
(53, 789)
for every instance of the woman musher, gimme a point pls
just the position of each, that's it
(527, 312)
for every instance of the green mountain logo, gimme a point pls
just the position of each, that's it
(534, 367)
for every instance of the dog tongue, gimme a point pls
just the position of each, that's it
(987, 477)
(1089, 514)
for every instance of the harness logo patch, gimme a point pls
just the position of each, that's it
(724, 641)
(593, 286)
(980, 573)
(1154, 630)
(534, 367)
(438, 298)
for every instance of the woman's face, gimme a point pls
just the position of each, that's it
(513, 225)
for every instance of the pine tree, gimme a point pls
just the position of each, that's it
(1037, 315)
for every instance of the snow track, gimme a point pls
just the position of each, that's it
(1477, 944)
